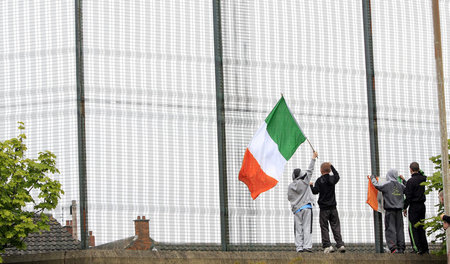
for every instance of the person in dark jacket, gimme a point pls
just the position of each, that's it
(415, 200)
(325, 187)
(393, 204)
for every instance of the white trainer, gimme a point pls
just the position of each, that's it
(329, 249)
(341, 249)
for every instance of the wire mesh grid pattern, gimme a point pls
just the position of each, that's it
(151, 120)
(149, 80)
(263, 58)
(37, 82)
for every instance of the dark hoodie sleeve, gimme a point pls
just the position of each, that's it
(315, 189)
(335, 178)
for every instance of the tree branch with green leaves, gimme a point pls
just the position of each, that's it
(25, 182)
(434, 225)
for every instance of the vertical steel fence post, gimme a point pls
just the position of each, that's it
(220, 110)
(81, 125)
(442, 114)
(372, 107)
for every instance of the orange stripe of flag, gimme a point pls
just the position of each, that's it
(254, 177)
(372, 196)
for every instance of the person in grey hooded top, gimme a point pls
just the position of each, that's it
(301, 200)
(392, 191)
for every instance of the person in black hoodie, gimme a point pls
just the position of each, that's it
(324, 186)
(415, 200)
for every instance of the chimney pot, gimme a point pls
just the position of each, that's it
(143, 217)
(139, 218)
(91, 239)
(67, 223)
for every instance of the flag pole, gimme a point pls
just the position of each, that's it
(310, 145)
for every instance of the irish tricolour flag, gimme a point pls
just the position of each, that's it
(271, 147)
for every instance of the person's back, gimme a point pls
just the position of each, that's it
(415, 191)
(325, 187)
(392, 190)
(299, 193)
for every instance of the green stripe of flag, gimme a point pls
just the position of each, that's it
(284, 130)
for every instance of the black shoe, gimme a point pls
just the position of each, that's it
(300, 251)
(399, 251)
(423, 252)
(307, 250)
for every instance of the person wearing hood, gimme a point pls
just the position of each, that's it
(393, 204)
(415, 200)
(301, 200)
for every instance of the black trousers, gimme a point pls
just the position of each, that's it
(416, 213)
(332, 217)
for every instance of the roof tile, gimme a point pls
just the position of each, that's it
(57, 239)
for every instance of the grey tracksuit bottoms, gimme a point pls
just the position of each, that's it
(393, 229)
(302, 229)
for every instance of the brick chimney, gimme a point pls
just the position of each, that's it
(91, 239)
(142, 231)
(68, 227)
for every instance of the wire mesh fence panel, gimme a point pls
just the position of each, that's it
(150, 120)
(38, 85)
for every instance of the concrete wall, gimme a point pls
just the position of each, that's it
(213, 257)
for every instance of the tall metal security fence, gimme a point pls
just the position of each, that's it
(38, 84)
(159, 76)
(314, 53)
